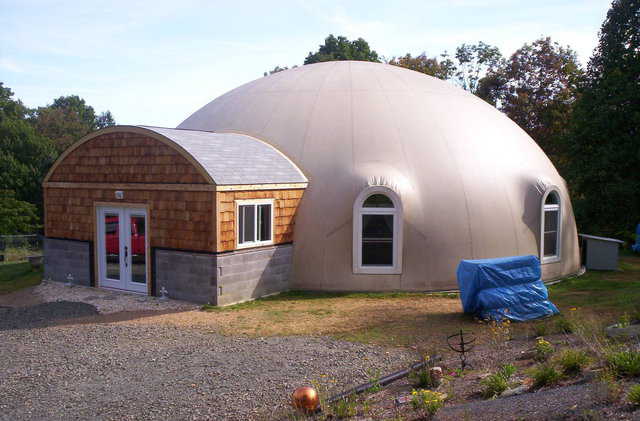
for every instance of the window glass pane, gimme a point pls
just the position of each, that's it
(378, 201)
(247, 230)
(552, 199)
(550, 220)
(377, 240)
(550, 243)
(112, 245)
(264, 222)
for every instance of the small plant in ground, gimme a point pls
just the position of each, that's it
(543, 350)
(374, 377)
(497, 383)
(345, 408)
(634, 395)
(624, 363)
(625, 320)
(573, 361)
(423, 377)
(606, 388)
(544, 375)
(540, 329)
(426, 402)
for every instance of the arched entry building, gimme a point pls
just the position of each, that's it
(407, 175)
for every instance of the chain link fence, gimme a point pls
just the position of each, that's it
(17, 248)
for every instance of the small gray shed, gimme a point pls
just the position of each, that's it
(599, 253)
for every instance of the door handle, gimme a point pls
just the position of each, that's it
(126, 256)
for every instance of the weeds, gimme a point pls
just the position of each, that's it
(564, 325)
(497, 383)
(374, 377)
(544, 375)
(634, 395)
(607, 389)
(543, 350)
(345, 408)
(624, 363)
(540, 329)
(426, 402)
(572, 361)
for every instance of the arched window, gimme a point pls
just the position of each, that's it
(550, 227)
(377, 232)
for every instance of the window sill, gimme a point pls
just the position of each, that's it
(254, 245)
(547, 260)
(373, 270)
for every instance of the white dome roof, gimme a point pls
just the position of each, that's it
(466, 174)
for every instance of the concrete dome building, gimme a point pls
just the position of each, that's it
(331, 176)
(464, 181)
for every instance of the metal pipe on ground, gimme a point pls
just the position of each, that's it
(384, 380)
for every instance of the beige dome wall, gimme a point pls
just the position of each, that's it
(466, 174)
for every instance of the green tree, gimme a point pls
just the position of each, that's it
(537, 88)
(25, 156)
(340, 48)
(67, 119)
(474, 62)
(278, 69)
(17, 216)
(604, 137)
(442, 69)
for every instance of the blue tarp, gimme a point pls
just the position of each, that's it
(507, 287)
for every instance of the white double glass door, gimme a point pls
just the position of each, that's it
(122, 248)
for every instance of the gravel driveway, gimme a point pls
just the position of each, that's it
(125, 370)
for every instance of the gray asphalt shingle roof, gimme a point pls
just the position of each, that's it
(233, 158)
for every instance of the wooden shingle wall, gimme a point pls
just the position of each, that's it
(126, 158)
(177, 219)
(285, 206)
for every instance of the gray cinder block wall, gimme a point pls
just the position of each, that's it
(247, 274)
(62, 257)
(185, 275)
(225, 278)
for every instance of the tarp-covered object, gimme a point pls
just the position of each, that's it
(507, 287)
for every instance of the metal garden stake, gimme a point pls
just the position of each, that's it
(462, 345)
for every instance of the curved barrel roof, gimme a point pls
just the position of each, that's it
(233, 158)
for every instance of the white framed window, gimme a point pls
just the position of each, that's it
(377, 232)
(254, 222)
(550, 227)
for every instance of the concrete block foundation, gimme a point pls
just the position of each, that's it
(62, 257)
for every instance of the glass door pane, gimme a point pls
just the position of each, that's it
(112, 245)
(137, 248)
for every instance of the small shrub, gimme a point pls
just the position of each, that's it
(544, 375)
(573, 361)
(543, 350)
(497, 383)
(422, 377)
(634, 395)
(564, 325)
(426, 402)
(624, 363)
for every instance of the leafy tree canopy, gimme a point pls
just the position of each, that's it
(537, 87)
(473, 62)
(340, 48)
(16, 216)
(67, 119)
(604, 138)
(442, 69)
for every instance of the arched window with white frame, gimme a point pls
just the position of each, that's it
(550, 227)
(377, 232)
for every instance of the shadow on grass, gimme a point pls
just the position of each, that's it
(18, 275)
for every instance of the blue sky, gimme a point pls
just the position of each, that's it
(156, 62)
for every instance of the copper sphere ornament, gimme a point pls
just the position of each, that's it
(305, 398)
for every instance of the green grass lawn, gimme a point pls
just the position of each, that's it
(610, 292)
(18, 275)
